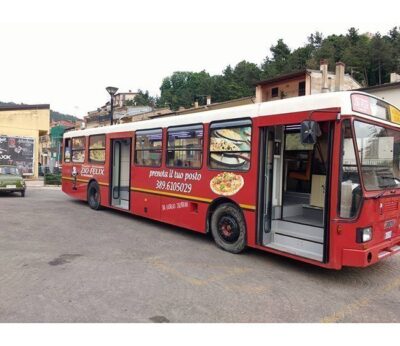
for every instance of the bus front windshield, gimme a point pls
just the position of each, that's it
(379, 154)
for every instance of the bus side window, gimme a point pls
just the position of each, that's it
(148, 148)
(185, 146)
(78, 149)
(230, 145)
(67, 150)
(350, 189)
(97, 149)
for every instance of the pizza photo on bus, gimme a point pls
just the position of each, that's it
(221, 144)
(226, 183)
(231, 135)
(78, 156)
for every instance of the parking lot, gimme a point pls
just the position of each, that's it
(63, 262)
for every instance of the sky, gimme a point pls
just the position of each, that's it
(66, 53)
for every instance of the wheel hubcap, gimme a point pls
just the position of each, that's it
(228, 229)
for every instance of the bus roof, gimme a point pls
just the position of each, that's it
(341, 100)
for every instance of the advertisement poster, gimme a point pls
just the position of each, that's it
(17, 151)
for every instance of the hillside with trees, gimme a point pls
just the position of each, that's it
(57, 116)
(369, 58)
(54, 115)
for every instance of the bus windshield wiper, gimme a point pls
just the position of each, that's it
(385, 188)
(380, 194)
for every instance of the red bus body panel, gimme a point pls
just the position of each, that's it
(191, 210)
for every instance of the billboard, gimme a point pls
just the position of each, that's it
(18, 151)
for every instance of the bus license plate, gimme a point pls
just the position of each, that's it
(388, 235)
(11, 186)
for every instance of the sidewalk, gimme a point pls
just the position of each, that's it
(34, 182)
(39, 183)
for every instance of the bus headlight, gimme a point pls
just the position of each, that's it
(364, 234)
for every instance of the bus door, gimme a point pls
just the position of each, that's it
(293, 179)
(120, 172)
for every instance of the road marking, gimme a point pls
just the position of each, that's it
(169, 270)
(166, 268)
(361, 303)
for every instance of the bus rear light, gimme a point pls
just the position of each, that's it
(364, 235)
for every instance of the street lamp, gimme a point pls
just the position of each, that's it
(112, 90)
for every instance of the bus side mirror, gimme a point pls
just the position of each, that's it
(309, 132)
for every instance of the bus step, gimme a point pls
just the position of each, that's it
(389, 251)
(383, 253)
(395, 248)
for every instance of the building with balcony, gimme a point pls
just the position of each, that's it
(123, 98)
(306, 82)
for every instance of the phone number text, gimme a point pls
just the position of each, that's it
(173, 186)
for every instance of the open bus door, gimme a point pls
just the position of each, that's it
(120, 173)
(294, 180)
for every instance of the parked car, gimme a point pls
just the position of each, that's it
(11, 180)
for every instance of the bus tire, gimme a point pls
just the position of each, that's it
(93, 196)
(229, 228)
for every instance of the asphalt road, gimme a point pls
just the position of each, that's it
(62, 262)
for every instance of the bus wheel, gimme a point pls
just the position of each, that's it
(94, 195)
(228, 228)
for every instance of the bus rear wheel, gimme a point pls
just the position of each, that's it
(228, 228)
(94, 196)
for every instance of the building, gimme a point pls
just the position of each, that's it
(97, 118)
(101, 116)
(387, 91)
(161, 112)
(66, 123)
(299, 83)
(127, 114)
(50, 145)
(121, 99)
(305, 82)
(20, 129)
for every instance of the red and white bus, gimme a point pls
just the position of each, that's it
(314, 178)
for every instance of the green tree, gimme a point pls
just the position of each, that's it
(381, 55)
(357, 60)
(279, 62)
(353, 36)
(300, 57)
(142, 98)
(368, 58)
(315, 39)
(182, 88)
(394, 39)
(332, 48)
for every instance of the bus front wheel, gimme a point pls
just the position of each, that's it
(94, 196)
(228, 228)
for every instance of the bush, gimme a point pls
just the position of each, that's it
(52, 179)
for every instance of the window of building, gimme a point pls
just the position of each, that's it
(185, 146)
(78, 149)
(148, 148)
(350, 189)
(97, 149)
(302, 88)
(230, 145)
(67, 150)
(275, 92)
